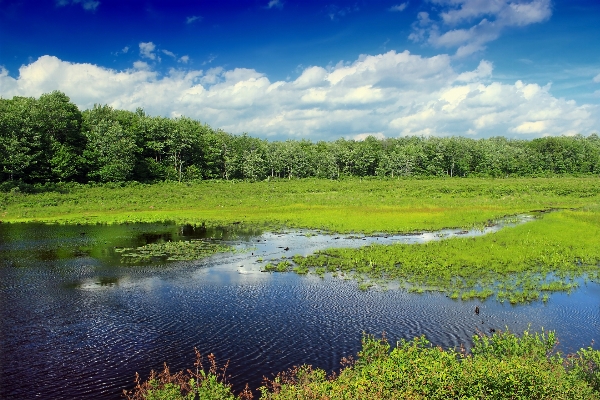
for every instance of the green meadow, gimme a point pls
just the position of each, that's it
(347, 205)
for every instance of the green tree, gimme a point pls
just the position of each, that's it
(21, 143)
(111, 152)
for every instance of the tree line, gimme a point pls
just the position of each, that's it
(49, 139)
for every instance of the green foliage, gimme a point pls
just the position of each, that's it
(40, 139)
(50, 140)
(502, 366)
(111, 152)
(199, 383)
(585, 364)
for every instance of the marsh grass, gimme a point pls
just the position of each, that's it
(518, 264)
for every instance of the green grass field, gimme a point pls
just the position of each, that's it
(344, 206)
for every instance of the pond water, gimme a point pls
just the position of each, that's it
(75, 322)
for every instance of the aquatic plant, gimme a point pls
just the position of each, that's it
(184, 250)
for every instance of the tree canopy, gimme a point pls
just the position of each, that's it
(50, 140)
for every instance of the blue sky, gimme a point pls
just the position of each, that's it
(318, 69)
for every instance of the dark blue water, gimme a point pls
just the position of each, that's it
(74, 323)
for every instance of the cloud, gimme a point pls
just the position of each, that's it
(184, 59)
(210, 59)
(275, 4)
(384, 95)
(484, 70)
(597, 78)
(88, 5)
(169, 53)
(469, 25)
(399, 7)
(124, 50)
(147, 50)
(192, 19)
(141, 65)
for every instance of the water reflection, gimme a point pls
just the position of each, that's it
(79, 324)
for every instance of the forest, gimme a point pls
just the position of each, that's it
(49, 140)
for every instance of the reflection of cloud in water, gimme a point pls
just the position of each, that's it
(426, 237)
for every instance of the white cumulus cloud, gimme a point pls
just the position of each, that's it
(383, 95)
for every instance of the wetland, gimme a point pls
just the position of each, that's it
(96, 285)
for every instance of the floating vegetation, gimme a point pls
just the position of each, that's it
(184, 250)
(283, 266)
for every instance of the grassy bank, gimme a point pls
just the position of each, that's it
(503, 366)
(343, 206)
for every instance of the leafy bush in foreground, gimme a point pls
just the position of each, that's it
(501, 366)
(190, 385)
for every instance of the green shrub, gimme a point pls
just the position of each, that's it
(502, 366)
